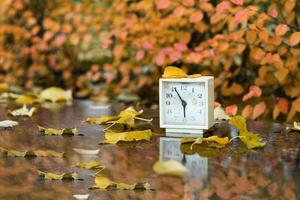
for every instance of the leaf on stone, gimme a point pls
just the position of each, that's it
(26, 99)
(81, 196)
(54, 176)
(250, 139)
(101, 182)
(171, 167)
(175, 72)
(90, 165)
(87, 151)
(8, 123)
(53, 131)
(35, 153)
(55, 94)
(212, 141)
(219, 114)
(101, 120)
(114, 138)
(24, 111)
(136, 186)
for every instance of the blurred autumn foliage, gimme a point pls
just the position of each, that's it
(250, 46)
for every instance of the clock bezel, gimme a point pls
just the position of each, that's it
(208, 89)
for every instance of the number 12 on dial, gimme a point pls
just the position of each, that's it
(186, 105)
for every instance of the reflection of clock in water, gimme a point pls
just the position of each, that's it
(169, 149)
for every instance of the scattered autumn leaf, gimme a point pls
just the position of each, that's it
(175, 72)
(90, 165)
(26, 99)
(8, 123)
(54, 176)
(55, 94)
(53, 131)
(24, 111)
(101, 120)
(114, 138)
(296, 126)
(250, 139)
(213, 141)
(4, 87)
(171, 167)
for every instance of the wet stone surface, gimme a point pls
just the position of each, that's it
(231, 173)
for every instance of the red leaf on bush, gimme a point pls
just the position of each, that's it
(238, 2)
(254, 91)
(281, 29)
(188, 3)
(247, 111)
(294, 39)
(174, 56)
(148, 45)
(160, 59)
(139, 55)
(224, 5)
(273, 12)
(259, 109)
(283, 105)
(59, 40)
(240, 16)
(196, 17)
(231, 110)
(180, 47)
(162, 4)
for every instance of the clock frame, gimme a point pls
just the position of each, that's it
(183, 130)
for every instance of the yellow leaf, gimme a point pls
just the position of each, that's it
(36, 153)
(55, 94)
(114, 138)
(4, 87)
(24, 111)
(53, 131)
(175, 72)
(170, 167)
(194, 76)
(136, 186)
(250, 139)
(101, 120)
(53, 176)
(8, 123)
(101, 182)
(219, 140)
(296, 126)
(90, 165)
(25, 99)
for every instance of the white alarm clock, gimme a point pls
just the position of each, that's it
(186, 105)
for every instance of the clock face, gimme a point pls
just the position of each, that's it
(183, 103)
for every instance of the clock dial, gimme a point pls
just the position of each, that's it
(184, 103)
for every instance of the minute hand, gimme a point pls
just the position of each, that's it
(183, 103)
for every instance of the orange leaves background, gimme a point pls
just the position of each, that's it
(112, 47)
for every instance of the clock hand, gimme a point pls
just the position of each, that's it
(183, 103)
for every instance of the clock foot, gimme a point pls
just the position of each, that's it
(184, 133)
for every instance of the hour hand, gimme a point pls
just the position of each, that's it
(183, 103)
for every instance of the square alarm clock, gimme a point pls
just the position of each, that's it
(186, 105)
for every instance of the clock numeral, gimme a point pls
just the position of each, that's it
(199, 96)
(173, 89)
(183, 87)
(201, 103)
(168, 102)
(200, 111)
(169, 111)
(193, 90)
(169, 95)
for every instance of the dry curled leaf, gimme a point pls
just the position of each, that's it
(87, 151)
(171, 167)
(90, 165)
(54, 176)
(114, 138)
(24, 111)
(213, 141)
(250, 139)
(8, 123)
(175, 72)
(55, 94)
(220, 114)
(53, 131)
(35, 153)
(101, 120)
(296, 126)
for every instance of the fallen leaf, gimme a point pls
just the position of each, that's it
(53, 176)
(136, 186)
(220, 142)
(90, 165)
(219, 114)
(25, 99)
(8, 123)
(101, 182)
(81, 196)
(36, 153)
(55, 94)
(24, 111)
(296, 126)
(114, 138)
(250, 139)
(9, 95)
(175, 72)
(87, 151)
(101, 120)
(53, 131)
(170, 167)
(4, 87)
(258, 110)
